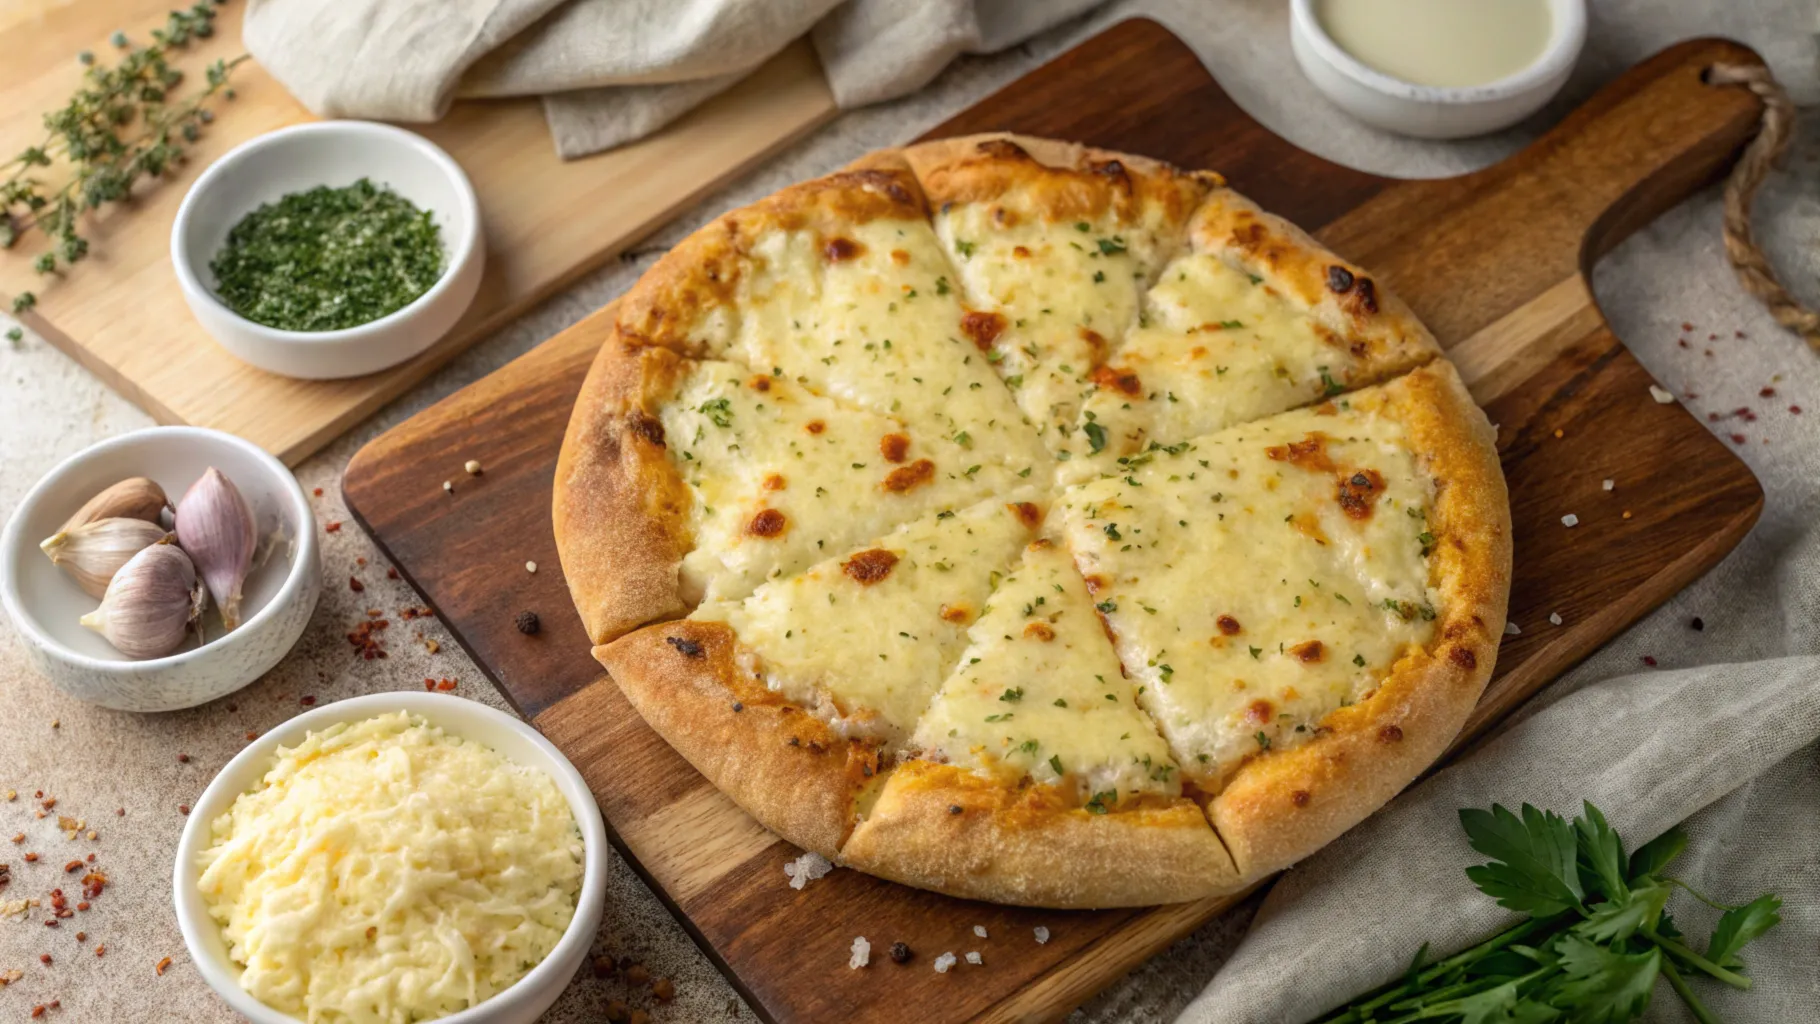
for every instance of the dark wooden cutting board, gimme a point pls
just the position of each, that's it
(1495, 262)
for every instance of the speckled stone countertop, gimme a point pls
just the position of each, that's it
(97, 763)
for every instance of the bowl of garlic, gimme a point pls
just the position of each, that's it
(161, 569)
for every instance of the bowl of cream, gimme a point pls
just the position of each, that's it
(1438, 69)
(394, 857)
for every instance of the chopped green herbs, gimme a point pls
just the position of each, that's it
(329, 258)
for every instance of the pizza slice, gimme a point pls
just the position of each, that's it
(1254, 319)
(1034, 753)
(1309, 604)
(840, 285)
(789, 700)
(1053, 245)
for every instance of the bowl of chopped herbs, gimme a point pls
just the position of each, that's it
(331, 249)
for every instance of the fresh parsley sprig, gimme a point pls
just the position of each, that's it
(1597, 938)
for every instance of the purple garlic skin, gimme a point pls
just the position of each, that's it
(92, 553)
(215, 528)
(150, 604)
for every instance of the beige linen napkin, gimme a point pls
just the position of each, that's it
(611, 71)
(1651, 749)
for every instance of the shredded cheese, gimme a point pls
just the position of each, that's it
(385, 871)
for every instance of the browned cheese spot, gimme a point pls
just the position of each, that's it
(1339, 279)
(1463, 657)
(1095, 340)
(759, 383)
(959, 614)
(1229, 626)
(1039, 631)
(983, 328)
(906, 478)
(1261, 712)
(1309, 453)
(894, 447)
(815, 426)
(1027, 513)
(900, 257)
(839, 250)
(1095, 583)
(1368, 295)
(1359, 492)
(1114, 379)
(1390, 734)
(769, 522)
(868, 567)
(775, 482)
(1299, 798)
(647, 427)
(1021, 252)
(1310, 652)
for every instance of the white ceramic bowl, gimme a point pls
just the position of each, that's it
(280, 592)
(522, 1003)
(1433, 112)
(336, 153)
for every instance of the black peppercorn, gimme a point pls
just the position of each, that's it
(527, 623)
(1699, 624)
(900, 953)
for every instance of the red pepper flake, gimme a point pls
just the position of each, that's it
(120, 812)
(1686, 326)
(1647, 660)
(48, 804)
(355, 585)
(1739, 439)
(428, 683)
(334, 527)
(391, 572)
(74, 865)
(100, 950)
(1712, 337)
(82, 905)
(1738, 334)
(91, 858)
(317, 492)
(82, 936)
(1708, 353)
(38, 1011)
(30, 857)
(445, 685)
(162, 964)
(1795, 409)
(1683, 343)
(1766, 392)
(365, 638)
(306, 700)
(360, 561)
(44, 958)
(1743, 412)
(183, 759)
(252, 734)
(38, 794)
(183, 809)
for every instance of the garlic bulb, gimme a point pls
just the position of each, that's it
(137, 498)
(215, 527)
(149, 606)
(93, 552)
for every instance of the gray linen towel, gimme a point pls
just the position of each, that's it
(611, 71)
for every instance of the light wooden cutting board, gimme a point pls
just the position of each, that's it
(121, 315)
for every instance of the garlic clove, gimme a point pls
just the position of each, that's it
(92, 553)
(151, 603)
(137, 498)
(215, 528)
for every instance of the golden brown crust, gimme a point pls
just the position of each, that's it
(1058, 181)
(691, 682)
(1360, 314)
(684, 301)
(619, 509)
(1023, 846)
(1286, 804)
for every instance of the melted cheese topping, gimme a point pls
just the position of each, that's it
(880, 328)
(384, 871)
(1219, 347)
(1039, 695)
(783, 477)
(866, 637)
(1064, 291)
(1248, 594)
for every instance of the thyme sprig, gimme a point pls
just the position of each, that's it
(1597, 939)
(127, 122)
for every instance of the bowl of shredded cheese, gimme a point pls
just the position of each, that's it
(393, 858)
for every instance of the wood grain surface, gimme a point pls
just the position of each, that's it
(1496, 262)
(547, 221)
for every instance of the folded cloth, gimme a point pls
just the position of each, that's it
(611, 71)
(1650, 749)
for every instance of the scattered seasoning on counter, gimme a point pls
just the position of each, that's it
(900, 953)
(334, 527)
(317, 492)
(1697, 624)
(162, 964)
(530, 567)
(1650, 661)
(527, 623)
(473, 467)
(448, 487)
(355, 585)
(329, 258)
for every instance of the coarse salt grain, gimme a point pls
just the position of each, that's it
(1510, 629)
(974, 958)
(979, 930)
(448, 486)
(530, 567)
(473, 467)
(1661, 395)
(806, 869)
(1570, 520)
(943, 962)
(1554, 617)
(1607, 484)
(1042, 935)
(862, 953)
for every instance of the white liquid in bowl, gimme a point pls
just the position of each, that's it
(1448, 43)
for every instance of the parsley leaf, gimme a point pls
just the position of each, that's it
(1533, 866)
(1740, 925)
(1096, 436)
